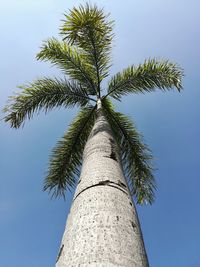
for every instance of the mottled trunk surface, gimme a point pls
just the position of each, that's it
(102, 227)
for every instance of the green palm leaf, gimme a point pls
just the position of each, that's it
(43, 94)
(146, 78)
(87, 28)
(70, 61)
(136, 157)
(67, 155)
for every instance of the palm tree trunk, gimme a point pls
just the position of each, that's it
(102, 227)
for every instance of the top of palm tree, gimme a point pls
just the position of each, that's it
(83, 55)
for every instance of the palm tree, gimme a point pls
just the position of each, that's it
(102, 227)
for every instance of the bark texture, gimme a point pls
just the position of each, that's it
(102, 227)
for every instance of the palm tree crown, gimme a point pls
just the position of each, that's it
(84, 57)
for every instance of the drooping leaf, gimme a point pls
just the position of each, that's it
(67, 155)
(136, 157)
(43, 94)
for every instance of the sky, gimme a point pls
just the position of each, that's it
(31, 224)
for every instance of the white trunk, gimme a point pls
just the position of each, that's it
(102, 227)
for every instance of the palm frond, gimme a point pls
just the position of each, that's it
(70, 61)
(67, 155)
(88, 28)
(146, 78)
(43, 94)
(136, 157)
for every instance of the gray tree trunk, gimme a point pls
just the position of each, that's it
(102, 227)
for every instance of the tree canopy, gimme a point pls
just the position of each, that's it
(84, 56)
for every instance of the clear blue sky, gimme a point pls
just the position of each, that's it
(31, 225)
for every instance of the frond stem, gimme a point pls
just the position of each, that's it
(89, 80)
(96, 65)
(116, 87)
(76, 94)
(91, 83)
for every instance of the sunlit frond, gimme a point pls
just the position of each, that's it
(70, 61)
(43, 94)
(67, 155)
(146, 77)
(136, 157)
(87, 27)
